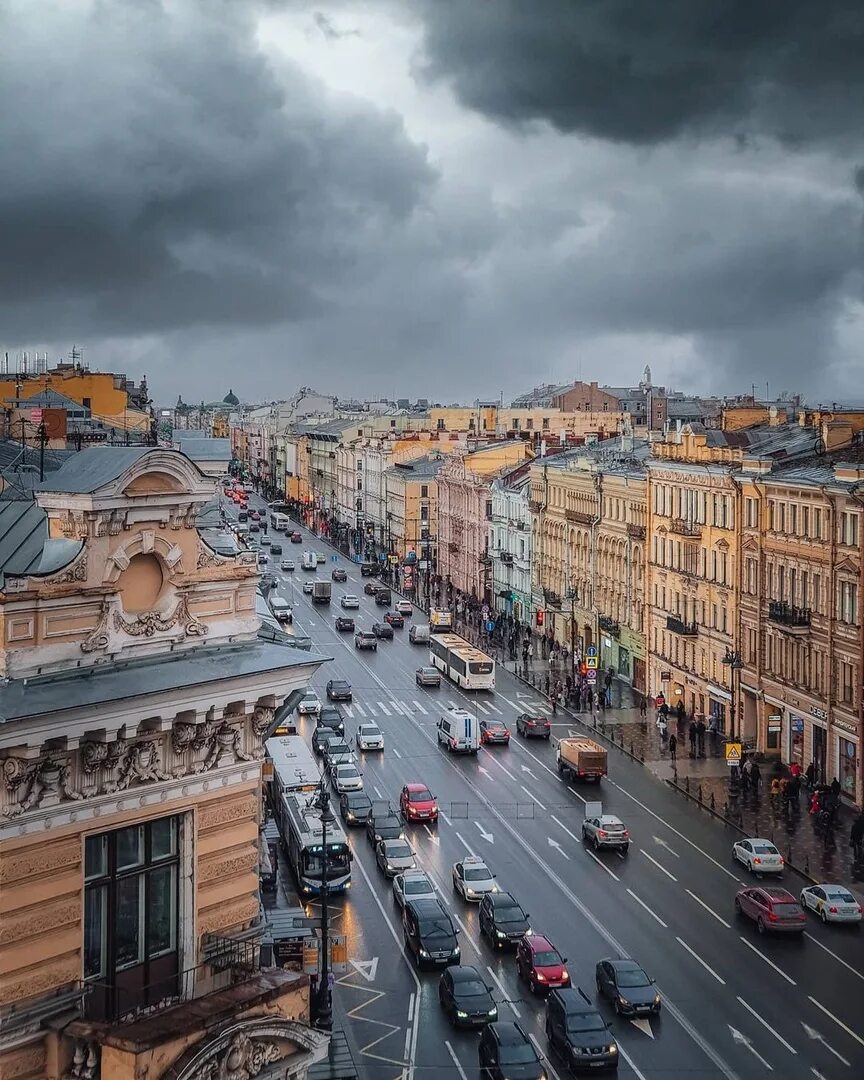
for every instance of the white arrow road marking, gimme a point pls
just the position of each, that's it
(659, 840)
(555, 844)
(816, 1036)
(483, 833)
(485, 772)
(367, 968)
(432, 835)
(741, 1038)
(848, 1030)
(765, 1024)
(530, 772)
(503, 990)
(532, 797)
(643, 1023)
(817, 1074)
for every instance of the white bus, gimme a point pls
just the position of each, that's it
(294, 767)
(279, 522)
(460, 661)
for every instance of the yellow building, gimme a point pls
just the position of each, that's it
(589, 527)
(412, 502)
(136, 696)
(106, 395)
(528, 423)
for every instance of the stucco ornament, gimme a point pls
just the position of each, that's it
(149, 623)
(262, 718)
(225, 747)
(141, 765)
(98, 638)
(242, 1059)
(44, 782)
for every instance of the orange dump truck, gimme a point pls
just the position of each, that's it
(582, 758)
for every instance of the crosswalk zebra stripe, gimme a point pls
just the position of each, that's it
(495, 707)
(383, 708)
(350, 711)
(482, 708)
(359, 708)
(418, 706)
(398, 707)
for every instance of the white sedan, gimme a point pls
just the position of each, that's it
(369, 737)
(412, 885)
(832, 903)
(472, 878)
(350, 602)
(307, 587)
(346, 777)
(406, 608)
(310, 704)
(760, 856)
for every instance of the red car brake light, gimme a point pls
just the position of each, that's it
(833, 910)
(602, 834)
(757, 860)
(772, 916)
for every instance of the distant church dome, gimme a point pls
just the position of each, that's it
(231, 398)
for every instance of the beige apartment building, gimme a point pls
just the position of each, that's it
(589, 530)
(801, 623)
(135, 699)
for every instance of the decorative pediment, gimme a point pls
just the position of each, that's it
(245, 1049)
(750, 544)
(847, 566)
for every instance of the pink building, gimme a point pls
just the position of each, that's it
(465, 510)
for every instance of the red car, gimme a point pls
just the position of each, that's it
(417, 803)
(254, 515)
(538, 961)
(395, 619)
(771, 908)
(296, 538)
(494, 731)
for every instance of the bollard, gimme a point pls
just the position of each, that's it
(674, 772)
(699, 794)
(631, 749)
(642, 759)
(712, 803)
(789, 853)
(807, 865)
(687, 784)
(726, 808)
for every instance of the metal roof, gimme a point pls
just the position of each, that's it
(101, 684)
(93, 468)
(23, 532)
(205, 449)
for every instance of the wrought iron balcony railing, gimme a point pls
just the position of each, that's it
(685, 528)
(678, 626)
(793, 618)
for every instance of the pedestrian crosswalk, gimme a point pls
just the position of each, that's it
(398, 707)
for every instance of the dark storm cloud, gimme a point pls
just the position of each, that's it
(157, 173)
(643, 72)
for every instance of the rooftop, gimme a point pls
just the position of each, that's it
(423, 467)
(205, 449)
(88, 470)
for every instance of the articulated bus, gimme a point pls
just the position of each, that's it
(293, 792)
(460, 661)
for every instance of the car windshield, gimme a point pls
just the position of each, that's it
(436, 928)
(471, 988)
(359, 802)
(785, 910)
(546, 959)
(496, 725)
(633, 977)
(842, 896)
(765, 849)
(369, 729)
(510, 915)
(416, 885)
(398, 850)
(347, 770)
(418, 796)
(479, 873)
(585, 1022)
(517, 1054)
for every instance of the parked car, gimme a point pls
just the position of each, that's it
(338, 574)
(506, 1052)
(606, 830)
(406, 608)
(339, 690)
(369, 737)
(354, 807)
(758, 855)
(494, 731)
(540, 964)
(465, 998)
(533, 726)
(427, 676)
(364, 639)
(772, 909)
(382, 631)
(627, 987)
(832, 903)
(394, 619)
(349, 602)
(345, 622)
(417, 803)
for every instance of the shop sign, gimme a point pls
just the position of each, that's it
(665, 676)
(310, 956)
(820, 714)
(845, 725)
(338, 953)
(775, 722)
(797, 725)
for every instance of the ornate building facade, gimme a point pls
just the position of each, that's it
(135, 701)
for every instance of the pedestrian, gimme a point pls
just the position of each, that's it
(673, 747)
(547, 686)
(756, 777)
(691, 731)
(643, 706)
(746, 769)
(554, 704)
(794, 770)
(679, 711)
(835, 789)
(815, 807)
(856, 837)
(700, 735)
(589, 699)
(775, 791)
(601, 699)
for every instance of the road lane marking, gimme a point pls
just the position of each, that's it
(464, 842)
(359, 708)
(532, 797)
(561, 825)
(708, 909)
(495, 709)
(396, 752)
(503, 990)
(456, 1061)
(816, 1036)
(482, 708)
(839, 959)
(599, 862)
(770, 963)
(350, 712)
(468, 937)
(699, 959)
(383, 708)
(578, 796)
(672, 828)
(630, 1062)
(418, 706)
(377, 791)
(765, 1024)
(658, 865)
(648, 909)
(543, 1055)
(836, 1020)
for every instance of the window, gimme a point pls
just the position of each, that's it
(439, 426)
(846, 681)
(751, 572)
(392, 423)
(817, 593)
(847, 602)
(805, 520)
(771, 514)
(359, 484)
(849, 529)
(751, 513)
(515, 423)
(751, 646)
(424, 491)
(529, 423)
(545, 423)
(781, 517)
(817, 524)
(131, 914)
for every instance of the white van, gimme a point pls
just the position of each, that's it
(310, 560)
(460, 731)
(419, 634)
(282, 610)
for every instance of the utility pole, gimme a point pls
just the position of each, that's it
(323, 1010)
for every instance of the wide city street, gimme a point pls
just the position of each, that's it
(735, 1003)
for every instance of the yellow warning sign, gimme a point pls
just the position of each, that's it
(591, 662)
(733, 753)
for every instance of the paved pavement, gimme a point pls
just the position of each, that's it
(736, 1004)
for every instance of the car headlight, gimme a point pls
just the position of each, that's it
(492, 1012)
(613, 1049)
(456, 952)
(656, 999)
(423, 952)
(462, 1015)
(623, 1001)
(500, 933)
(541, 977)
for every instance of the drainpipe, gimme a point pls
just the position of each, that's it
(832, 615)
(759, 488)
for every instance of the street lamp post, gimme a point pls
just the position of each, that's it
(733, 660)
(323, 998)
(573, 596)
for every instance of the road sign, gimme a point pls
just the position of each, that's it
(733, 753)
(310, 956)
(490, 625)
(592, 663)
(592, 676)
(334, 558)
(591, 650)
(339, 953)
(300, 922)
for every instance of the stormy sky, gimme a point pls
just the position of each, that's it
(442, 198)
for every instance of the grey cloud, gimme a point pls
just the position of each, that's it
(647, 72)
(159, 172)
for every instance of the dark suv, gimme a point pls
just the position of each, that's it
(533, 726)
(578, 1033)
(502, 919)
(429, 933)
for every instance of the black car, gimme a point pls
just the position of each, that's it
(321, 736)
(533, 726)
(275, 549)
(363, 639)
(382, 596)
(627, 986)
(338, 574)
(371, 587)
(502, 919)
(506, 1053)
(331, 717)
(354, 807)
(345, 622)
(383, 826)
(254, 527)
(336, 752)
(268, 581)
(382, 630)
(339, 690)
(576, 1030)
(368, 569)
(465, 997)
(429, 933)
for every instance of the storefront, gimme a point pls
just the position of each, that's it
(719, 701)
(847, 767)
(795, 740)
(608, 652)
(631, 658)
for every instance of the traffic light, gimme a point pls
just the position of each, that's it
(540, 615)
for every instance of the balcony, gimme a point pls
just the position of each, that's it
(637, 532)
(506, 558)
(535, 506)
(608, 624)
(579, 516)
(552, 598)
(685, 528)
(793, 619)
(677, 626)
(485, 559)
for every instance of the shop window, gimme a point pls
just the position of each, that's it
(847, 752)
